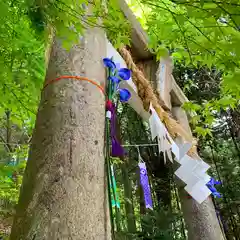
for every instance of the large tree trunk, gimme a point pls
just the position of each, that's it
(201, 219)
(64, 192)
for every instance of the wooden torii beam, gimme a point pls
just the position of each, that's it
(202, 222)
(139, 49)
(139, 38)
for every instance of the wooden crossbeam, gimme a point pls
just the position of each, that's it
(139, 38)
(164, 80)
(170, 92)
(178, 98)
(168, 89)
(166, 85)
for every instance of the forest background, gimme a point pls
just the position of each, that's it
(203, 39)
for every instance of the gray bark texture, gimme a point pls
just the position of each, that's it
(201, 219)
(64, 192)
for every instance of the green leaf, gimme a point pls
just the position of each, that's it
(161, 52)
(202, 132)
(202, 3)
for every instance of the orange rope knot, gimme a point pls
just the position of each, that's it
(79, 78)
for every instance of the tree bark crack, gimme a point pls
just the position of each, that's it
(71, 153)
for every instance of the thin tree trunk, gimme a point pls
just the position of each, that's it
(127, 185)
(64, 192)
(201, 219)
(128, 198)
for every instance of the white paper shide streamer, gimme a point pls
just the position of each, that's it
(159, 130)
(192, 171)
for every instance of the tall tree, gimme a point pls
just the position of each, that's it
(201, 219)
(64, 187)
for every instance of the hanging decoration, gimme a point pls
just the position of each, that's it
(144, 182)
(114, 195)
(159, 130)
(117, 150)
(145, 185)
(115, 75)
(192, 170)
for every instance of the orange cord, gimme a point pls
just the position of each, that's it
(76, 78)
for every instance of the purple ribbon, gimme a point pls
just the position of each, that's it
(145, 185)
(117, 149)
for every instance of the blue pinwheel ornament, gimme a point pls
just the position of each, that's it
(211, 185)
(115, 76)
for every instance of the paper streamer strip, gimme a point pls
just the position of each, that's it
(114, 195)
(145, 185)
(192, 170)
(199, 191)
(117, 149)
(159, 130)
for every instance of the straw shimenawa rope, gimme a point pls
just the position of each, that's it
(147, 95)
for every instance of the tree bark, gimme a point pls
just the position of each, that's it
(64, 192)
(201, 219)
